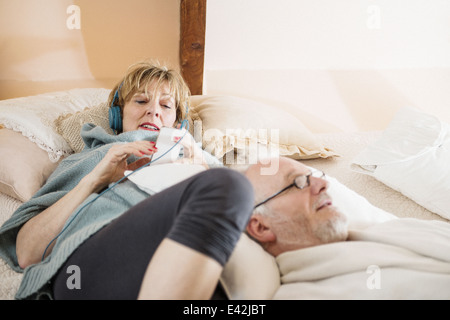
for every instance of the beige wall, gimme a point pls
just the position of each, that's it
(48, 45)
(339, 65)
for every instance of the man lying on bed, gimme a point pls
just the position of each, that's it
(293, 209)
(295, 221)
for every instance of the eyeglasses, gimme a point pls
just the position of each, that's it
(300, 182)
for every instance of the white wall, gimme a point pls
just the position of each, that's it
(350, 64)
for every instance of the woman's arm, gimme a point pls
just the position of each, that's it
(36, 234)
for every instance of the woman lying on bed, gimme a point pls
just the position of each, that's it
(125, 244)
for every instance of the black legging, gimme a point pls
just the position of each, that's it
(206, 212)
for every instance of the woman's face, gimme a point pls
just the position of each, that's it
(151, 113)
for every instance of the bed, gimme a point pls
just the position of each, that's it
(398, 236)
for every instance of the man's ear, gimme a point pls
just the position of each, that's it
(259, 228)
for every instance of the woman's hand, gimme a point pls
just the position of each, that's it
(112, 167)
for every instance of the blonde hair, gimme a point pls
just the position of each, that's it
(138, 78)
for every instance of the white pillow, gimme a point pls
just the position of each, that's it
(157, 177)
(359, 211)
(413, 157)
(34, 116)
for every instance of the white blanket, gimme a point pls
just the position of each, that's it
(398, 259)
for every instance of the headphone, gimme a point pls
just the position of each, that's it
(115, 119)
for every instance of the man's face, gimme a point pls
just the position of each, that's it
(300, 218)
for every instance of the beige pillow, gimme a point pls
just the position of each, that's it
(251, 273)
(69, 126)
(242, 126)
(24, 167)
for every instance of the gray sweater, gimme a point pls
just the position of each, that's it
(82, 223)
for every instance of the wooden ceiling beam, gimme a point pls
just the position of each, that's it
(192, 43)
